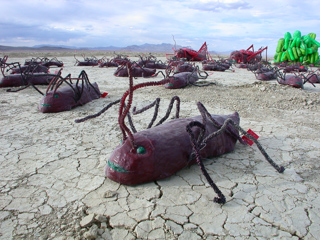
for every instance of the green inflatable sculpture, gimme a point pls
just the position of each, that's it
(297, 48)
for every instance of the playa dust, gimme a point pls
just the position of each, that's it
(52, 169)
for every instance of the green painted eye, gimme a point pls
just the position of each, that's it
(56, 95)
(141, 150)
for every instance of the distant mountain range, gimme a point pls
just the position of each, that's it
(161, 48)
(156, 48)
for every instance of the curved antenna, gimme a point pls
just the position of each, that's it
(123, 111)
(77, 61)
(175, 44)
(53, 81)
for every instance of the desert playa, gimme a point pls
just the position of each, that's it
(53, 184)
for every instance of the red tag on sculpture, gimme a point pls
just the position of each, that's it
(247, 140)
(103, 95)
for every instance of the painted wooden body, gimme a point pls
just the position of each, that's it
(136, 72)
(18, 80)
(291, 80)
(88, 63)
(215, 67)
(31, 69)
(266, 76)
(167, 148)
(65, 98)
(180, 80)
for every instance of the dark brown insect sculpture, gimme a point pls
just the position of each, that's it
(159, 152)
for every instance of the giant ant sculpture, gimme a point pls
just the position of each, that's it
(248, 55)
(44, 62)
(151, 62)
(26, 77)
(138, 71)
(217, 65)
(75, 92)
(87, 61)
(295, 80)
(313, 76)
(107, 63)
(183, 79)
(264, 72)
(190, 54)
(159, 152)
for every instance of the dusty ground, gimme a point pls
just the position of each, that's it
(52, 169)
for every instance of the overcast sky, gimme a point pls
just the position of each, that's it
(224, 25)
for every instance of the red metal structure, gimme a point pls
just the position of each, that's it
(248, 56)
(192, 55)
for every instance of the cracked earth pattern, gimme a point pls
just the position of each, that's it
(52, 169)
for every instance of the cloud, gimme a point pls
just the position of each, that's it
(223, 24)
(22, 33)
(218, 6)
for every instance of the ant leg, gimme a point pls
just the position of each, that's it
(97, 114)
(155, 114)
(175, 98)
(196, 147)
(280, 169)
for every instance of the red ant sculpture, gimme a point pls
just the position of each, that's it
(93, 61)
(107, 63)
(44, 62)
(159, 152)
(76, 92)
(25, 77)
(214, 65)
(295, 80)
(138, 71)
(247, 56)
(183, 79)
(190, 54)
(314, 76)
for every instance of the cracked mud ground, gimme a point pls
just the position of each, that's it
(52, 169)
